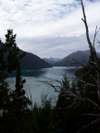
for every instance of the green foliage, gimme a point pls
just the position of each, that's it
(75, 112)
(14, 105)
(4, 89)
(87, 82)
(42, 117)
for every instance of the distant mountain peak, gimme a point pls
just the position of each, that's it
(77, 58)
(51, 60)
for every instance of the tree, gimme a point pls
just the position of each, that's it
(14, 105)
(77, 110)
(4, 89)
(93, 61)
(14, 57)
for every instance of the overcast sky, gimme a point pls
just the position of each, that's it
(48, 28)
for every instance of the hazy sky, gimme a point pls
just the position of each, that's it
(48, 28)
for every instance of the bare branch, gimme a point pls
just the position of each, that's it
(91, 114)
(89, 124)
(95, 35)
(84, 19)
(93, 103)
(86, 83)
(93, 54)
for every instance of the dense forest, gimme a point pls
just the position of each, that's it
(77, 109)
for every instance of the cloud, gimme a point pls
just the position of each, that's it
(31, 14)
(53, 46)
(48, 28)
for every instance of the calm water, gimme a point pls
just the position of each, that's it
(37, 81)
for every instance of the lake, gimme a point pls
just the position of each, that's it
(38, 81)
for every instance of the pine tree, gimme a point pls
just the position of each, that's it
(18, 105)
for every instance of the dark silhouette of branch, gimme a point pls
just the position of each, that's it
(93, 55)
(84, 19)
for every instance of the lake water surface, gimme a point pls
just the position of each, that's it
(37, 81)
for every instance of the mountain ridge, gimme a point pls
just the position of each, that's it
(31, 61)
(77, 58)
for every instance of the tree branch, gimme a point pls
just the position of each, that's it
(95, 35)
(84, 19)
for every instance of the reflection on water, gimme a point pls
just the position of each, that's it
(28, 73)
(37, 81)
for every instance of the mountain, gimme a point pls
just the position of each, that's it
(77, 58)
(31, 61)
(52, 61)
